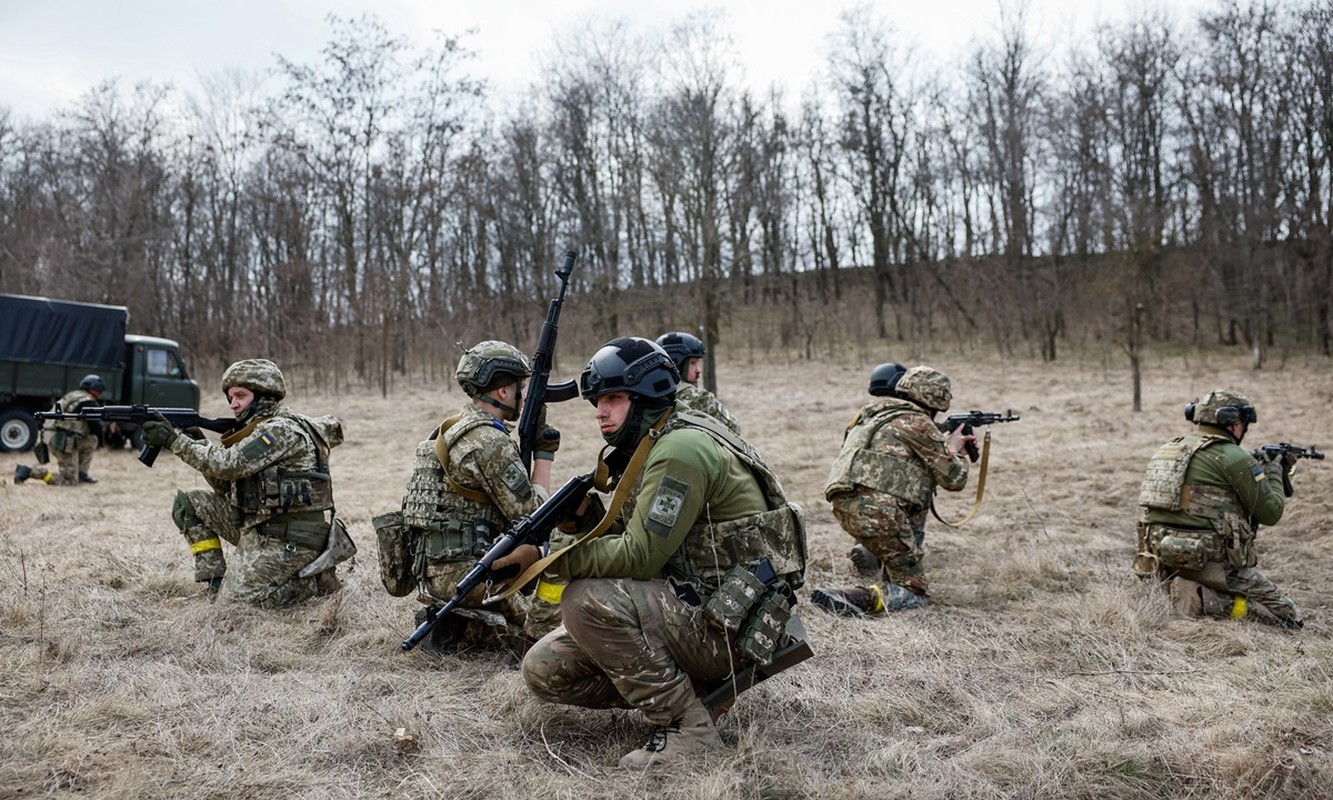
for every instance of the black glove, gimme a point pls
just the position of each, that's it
(194, 433)
(548, 441)
(157, 432)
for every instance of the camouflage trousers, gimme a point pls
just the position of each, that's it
(627, 644)
(262, 570)
(1264, 600)
(896, 537)
(78, 457)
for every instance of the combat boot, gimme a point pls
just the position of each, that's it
(86, 478)
(899, 598)
(865, 562)
(690, 734)
(21, 473)
(855, 601)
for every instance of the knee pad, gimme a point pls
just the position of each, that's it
(182, 512)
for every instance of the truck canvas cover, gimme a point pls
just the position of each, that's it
(41, 331)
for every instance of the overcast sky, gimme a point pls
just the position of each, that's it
(53, 51)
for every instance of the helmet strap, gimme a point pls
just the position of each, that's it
(508, 411)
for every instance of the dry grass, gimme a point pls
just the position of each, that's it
(1043, 671)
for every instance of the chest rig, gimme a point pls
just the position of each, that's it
(279, 489)
(889, 467)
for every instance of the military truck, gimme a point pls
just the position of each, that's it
(47, 346)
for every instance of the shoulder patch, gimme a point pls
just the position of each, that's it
(258, 445)
(513, 477)
(1258, 473)
(665, 508)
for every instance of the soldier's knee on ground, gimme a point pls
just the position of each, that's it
(206, 547)
(1192, 599)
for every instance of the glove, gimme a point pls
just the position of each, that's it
(516, 563)
(157, 433)
(1288, 462)
(193, 432)
(548, 441)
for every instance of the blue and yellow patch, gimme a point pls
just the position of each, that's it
(1258, 473)
(258, 445)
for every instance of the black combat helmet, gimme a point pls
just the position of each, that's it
(682, 347)
(92, 383)
(641, 368)
(884, 379)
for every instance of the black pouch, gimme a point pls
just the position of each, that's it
(60, 440)
(40, 453)
(739, 591)
(765, 625)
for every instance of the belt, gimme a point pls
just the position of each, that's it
(309, 529)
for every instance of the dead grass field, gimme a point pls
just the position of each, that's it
(1042, 671)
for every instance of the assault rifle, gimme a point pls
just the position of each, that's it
(1272, 452)
(539, 392)
(138, 415)
(535, 528)
(974, 419)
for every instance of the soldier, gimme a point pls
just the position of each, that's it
(272, 495)
(687, 352)
(467, 488)
(1200, 506)
(73, 441)
(881, 485)
(700, 509)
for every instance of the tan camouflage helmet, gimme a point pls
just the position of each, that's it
(256, 374)
(1221, 407)
(490, 364)
(926, 387)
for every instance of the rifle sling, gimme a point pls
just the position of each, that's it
(623, 488)
(981, 488)
(442, 453)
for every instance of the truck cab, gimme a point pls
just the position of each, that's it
(155, 375)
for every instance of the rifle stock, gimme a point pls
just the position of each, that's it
(539, 392)
(138, 415)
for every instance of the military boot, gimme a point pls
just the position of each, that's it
(86, 478)
(899, 598)
(21, 473)
(692, 733)
(854, 601)
(865, 562)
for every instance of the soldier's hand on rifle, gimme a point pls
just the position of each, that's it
(956, 440)
(516, 563)
(193, 432)
(157, 432)
(547, 443)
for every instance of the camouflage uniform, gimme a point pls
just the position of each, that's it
(704, 501)
(455, 512)
(272, 499)
(1200, 505)
(699, 399)
(881, 484)
(71, 441)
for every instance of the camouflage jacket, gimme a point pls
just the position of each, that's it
(70, 403)
(699, 399)
(892, 446)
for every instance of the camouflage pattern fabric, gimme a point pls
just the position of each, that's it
(627, 639)
(699, 399)
(482, 458)
(79, 441)
(1226, 495)
(894, 536)
(262, 569)
(880, 486)
(627, 644)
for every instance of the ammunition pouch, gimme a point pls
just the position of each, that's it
(277, 489)
(398, 544)
(62, 441)
(752, 606)
(767, 622)
(309, 530)
(739, 592)
(339, 548)
(43, 456)
(451, 541)
(794, 648)
(1182, 552)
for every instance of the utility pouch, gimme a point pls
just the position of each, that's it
(766, 623)
(1182, 552)
(397, 543)
(60, 440)
(40, 453)
(729, 606)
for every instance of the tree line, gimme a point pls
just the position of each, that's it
(1162, 181)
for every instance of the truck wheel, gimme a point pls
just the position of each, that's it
(18, 431)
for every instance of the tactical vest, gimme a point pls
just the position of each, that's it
(454, 520)
(69, 404)
(1164, 488)
(895, 471)
(277, 490)
(710, 549)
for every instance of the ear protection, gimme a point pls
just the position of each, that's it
(1226, 415)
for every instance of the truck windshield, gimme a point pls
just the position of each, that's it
(164, 363)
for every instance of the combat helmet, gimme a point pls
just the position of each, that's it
(682, 346)
(1221, 407)
(884, 379)
(926, 387)
(259, 375)
(637, 366)
(92, 383)
(490, 364)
